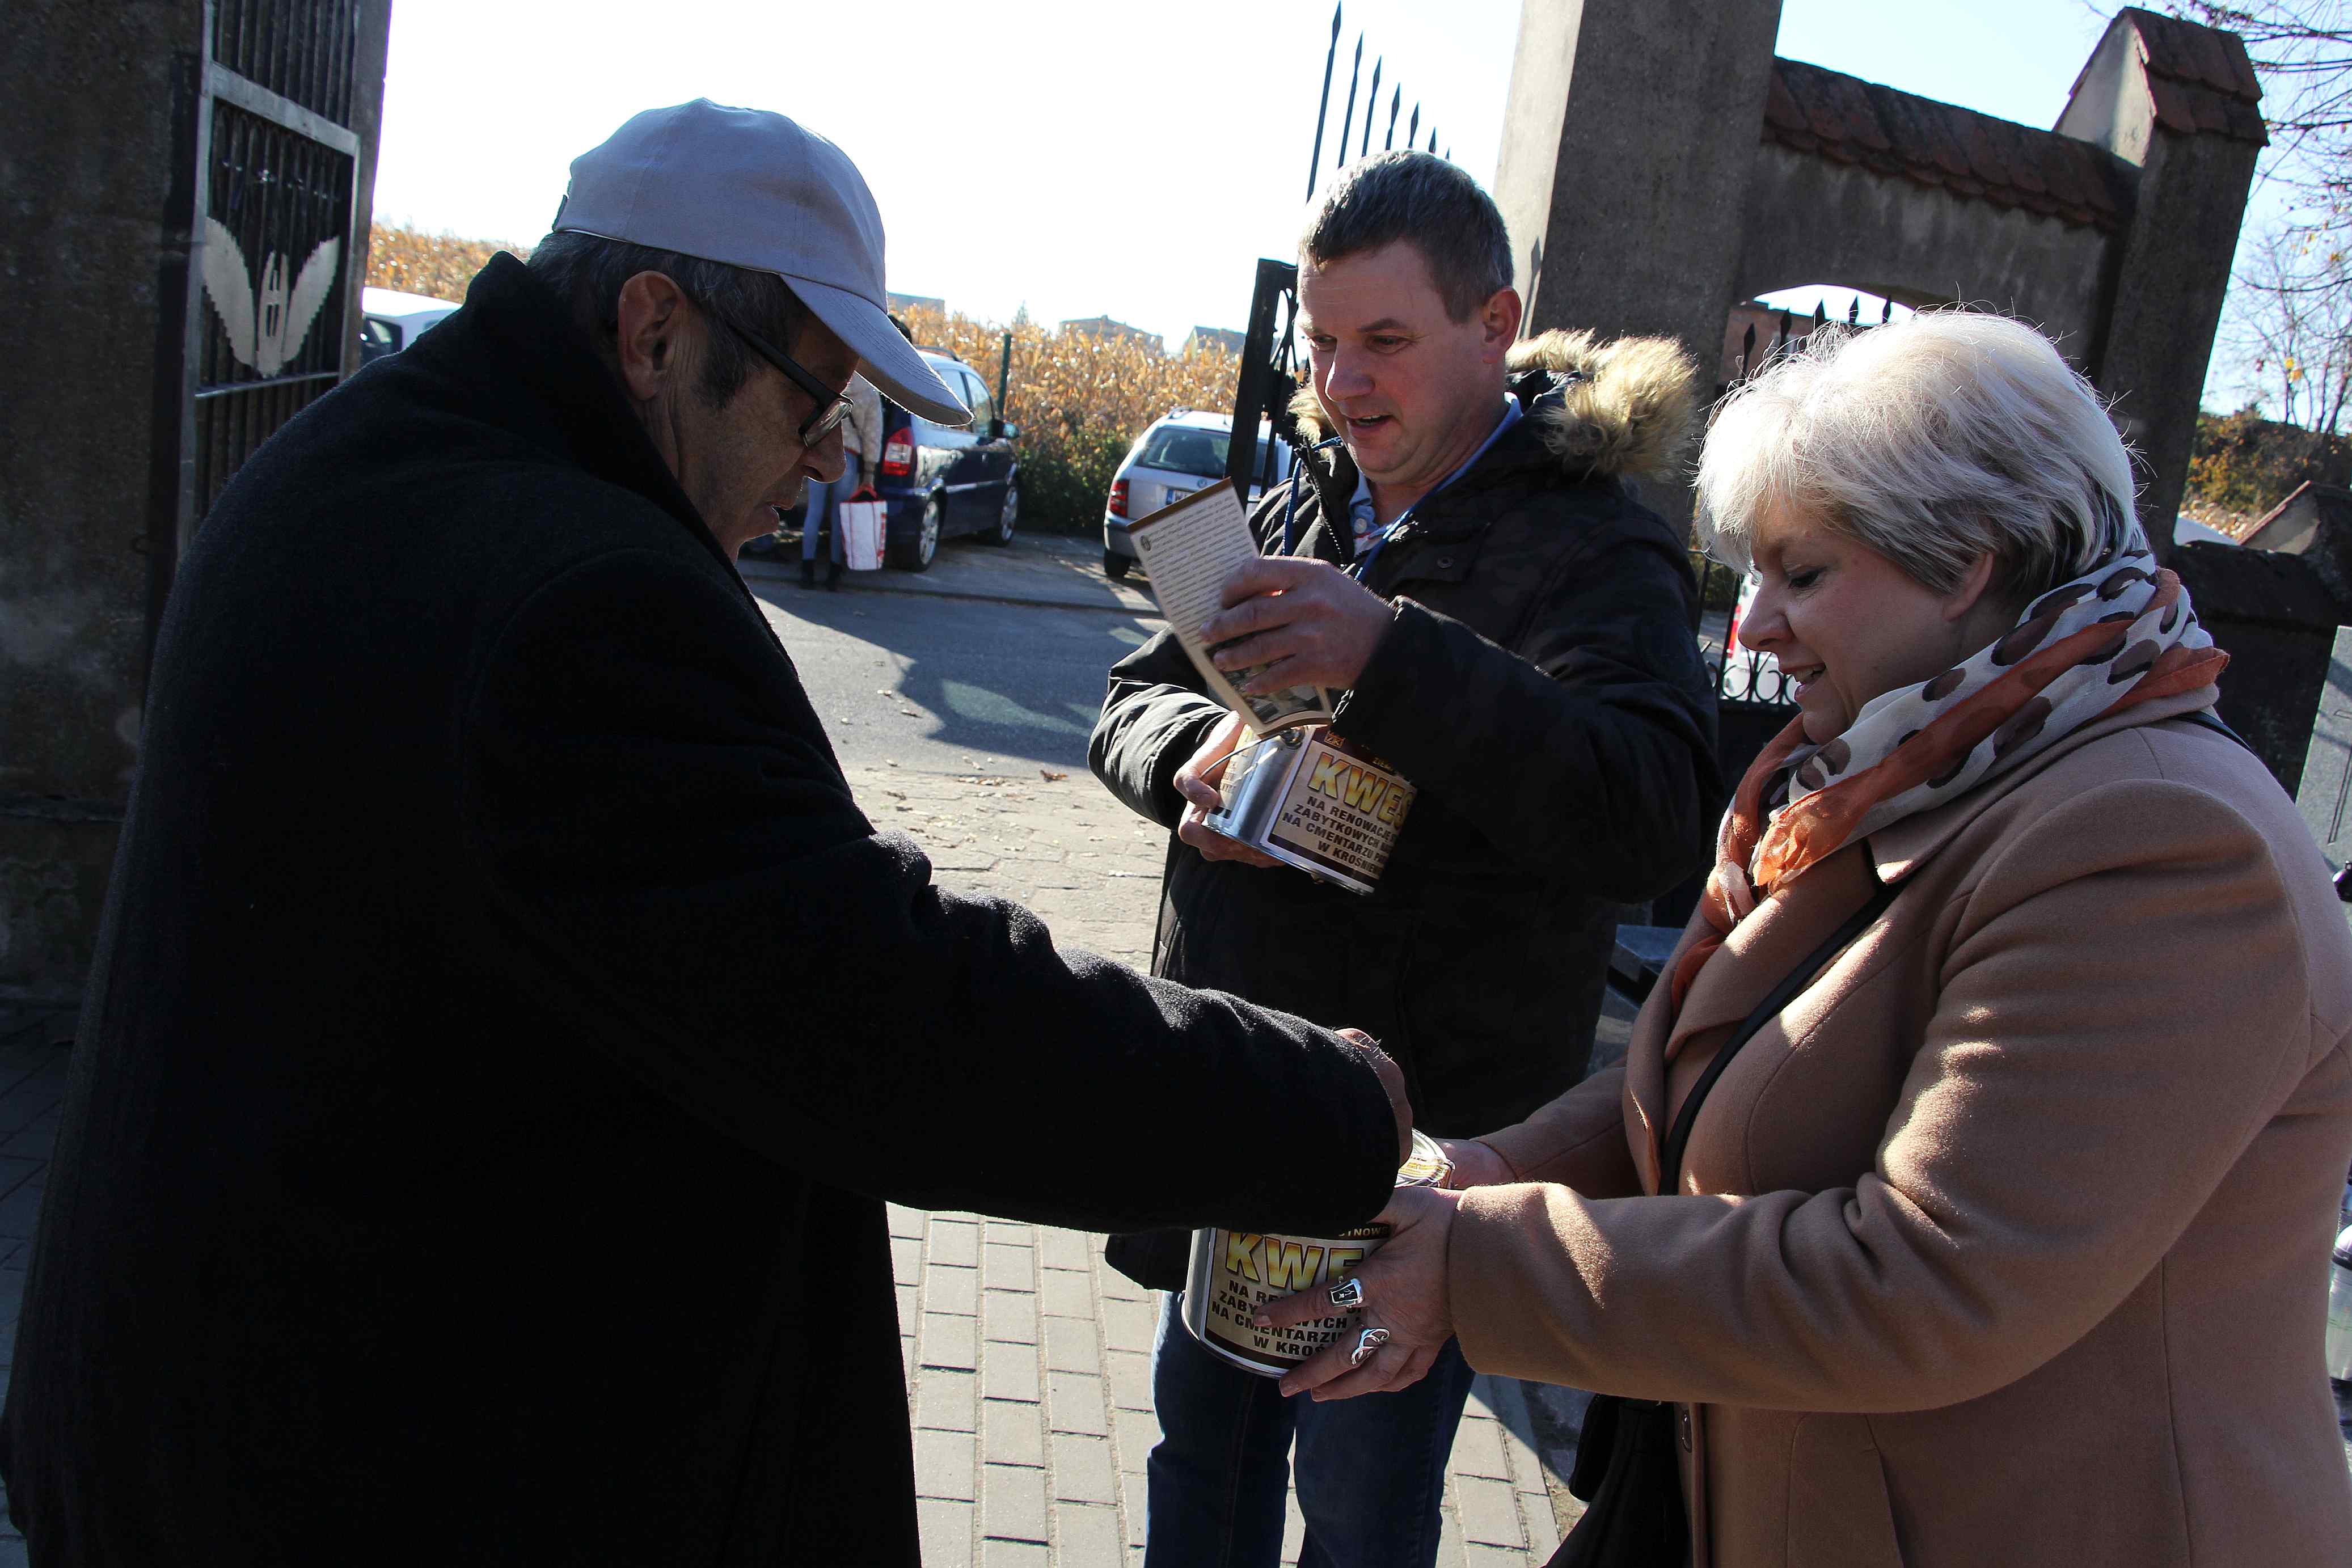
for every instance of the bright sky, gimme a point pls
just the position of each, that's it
(1082, 159)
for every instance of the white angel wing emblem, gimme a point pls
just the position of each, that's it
(267, 327)
(230, 287)
(309, 296)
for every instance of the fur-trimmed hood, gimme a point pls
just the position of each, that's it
(1625, 409)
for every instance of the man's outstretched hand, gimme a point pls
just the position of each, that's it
(1391, 1080)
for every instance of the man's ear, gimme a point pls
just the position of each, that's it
(1499, 324)
(653, 322)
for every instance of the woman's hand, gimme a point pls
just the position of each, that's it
(1404, 1293)
(1474, 1163)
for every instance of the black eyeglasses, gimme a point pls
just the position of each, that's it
(831, 407)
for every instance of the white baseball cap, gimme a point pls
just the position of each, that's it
(753, 190)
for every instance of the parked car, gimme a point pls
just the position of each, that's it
(391, 320)
(938, 481)
(1175, 456)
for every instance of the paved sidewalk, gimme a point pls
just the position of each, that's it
(1052, 570)
(1029, 1376)
(35, 1043)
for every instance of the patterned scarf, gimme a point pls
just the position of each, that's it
(2121, 633)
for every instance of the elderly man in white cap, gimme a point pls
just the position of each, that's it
(447, 1175)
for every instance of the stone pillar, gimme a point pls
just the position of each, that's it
(99, 121)
(96, 105)
(1627, 142)
(2181, 103)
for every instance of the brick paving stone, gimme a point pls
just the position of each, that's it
(1477, 1554)
(1009, 1372)
(1536, 1517)
(904, 1221)
(943, 1465)
(905, 1259)
(1130, 1325)
(1009, 1268)
(1489, 1511)
(1115, 1286)
(1128, 1374)
(1067, 1293)
(996, 1554)
(1070, 1344)
(1010, 1316)
(37, 1095)
(1012, 1504)
(946, 1400)
(1133, 1493)
(952, 1241)
(1083, 1470)
(949, 1341)
(19, 1211)
(1478, 1448)
(948, 1288)
(1135, 1433)
(1012, 1434)
(945, 1530)
(1011, 1232)
(1086, 1536)
(1074, 1402)
(1060, 1248)
(907, 1303)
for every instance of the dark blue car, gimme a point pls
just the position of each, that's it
(939, 482)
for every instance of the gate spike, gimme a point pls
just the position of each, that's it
(1413, 127)
(1348, 125)
(1323, 105)
(1396, 102)
(1887, 312)
(1853, 311)
(1432, 142)
(1372, 100)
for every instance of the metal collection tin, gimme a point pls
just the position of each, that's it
(1236, 1272)
(1310, 799)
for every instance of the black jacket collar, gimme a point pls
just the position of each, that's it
(526, 368)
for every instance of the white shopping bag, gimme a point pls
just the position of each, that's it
(861, 520)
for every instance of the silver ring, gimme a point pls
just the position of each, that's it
(1367, 1342)
(1347, 1292)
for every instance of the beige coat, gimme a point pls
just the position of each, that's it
(2011, 1237)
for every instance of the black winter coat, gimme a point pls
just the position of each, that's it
(1541, 688)
(453, 1170)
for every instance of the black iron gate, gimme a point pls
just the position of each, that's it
(271, 235)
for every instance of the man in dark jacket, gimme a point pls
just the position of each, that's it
(445, 1178)
(1510, 629)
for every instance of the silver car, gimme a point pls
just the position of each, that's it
(1177, 455)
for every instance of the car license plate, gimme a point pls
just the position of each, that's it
(1172, 494)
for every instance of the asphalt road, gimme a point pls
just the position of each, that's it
(935, 684)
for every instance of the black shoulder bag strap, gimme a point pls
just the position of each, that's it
(1670, 1158)
(1626, 1469)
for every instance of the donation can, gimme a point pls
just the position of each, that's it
(1236, 1272)
(1311, 800)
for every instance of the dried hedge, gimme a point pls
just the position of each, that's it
(1079, 400)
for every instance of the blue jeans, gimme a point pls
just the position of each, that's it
(823, 511)
(1372, 1471)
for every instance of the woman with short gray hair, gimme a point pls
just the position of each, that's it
(1964, 1194)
